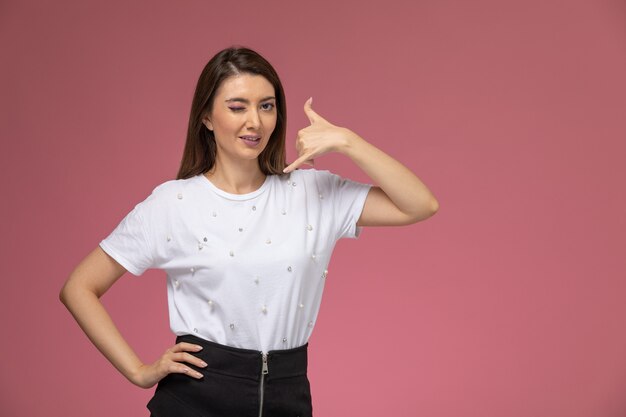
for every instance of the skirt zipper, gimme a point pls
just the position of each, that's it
(264, 371)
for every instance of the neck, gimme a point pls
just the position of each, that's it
(239, 178)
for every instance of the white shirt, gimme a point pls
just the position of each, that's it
(243, 270)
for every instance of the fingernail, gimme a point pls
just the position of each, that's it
(203, 363)
(198, 347)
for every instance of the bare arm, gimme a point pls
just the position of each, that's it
(399, 198)
(81, 295)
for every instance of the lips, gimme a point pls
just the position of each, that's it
(252, 138)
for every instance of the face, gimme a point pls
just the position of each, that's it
(243, 117)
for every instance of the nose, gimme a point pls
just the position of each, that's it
(253, 121)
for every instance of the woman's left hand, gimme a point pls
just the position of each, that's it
(317, 139)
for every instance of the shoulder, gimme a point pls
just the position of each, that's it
(313, 175)
(175, 187)
(323, 179)
(314, 180)
(169, 192)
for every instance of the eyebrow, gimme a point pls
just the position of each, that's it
(246, 101)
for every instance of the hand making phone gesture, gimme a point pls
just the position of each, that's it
(398, 197)
(319, 138)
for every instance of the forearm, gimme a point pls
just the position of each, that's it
(92, 317)
(407, 192)
(399, 197)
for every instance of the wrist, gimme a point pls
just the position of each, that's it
(350, 143)
(136, 376)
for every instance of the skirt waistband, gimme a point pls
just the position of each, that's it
(248, 363)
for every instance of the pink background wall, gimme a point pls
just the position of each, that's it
(508, 302)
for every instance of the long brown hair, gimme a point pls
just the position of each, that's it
(200, 148)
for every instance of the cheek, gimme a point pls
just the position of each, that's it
(270, 123)
(226, 124)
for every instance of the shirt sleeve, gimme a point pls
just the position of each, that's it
(348, 199)
(128, 243)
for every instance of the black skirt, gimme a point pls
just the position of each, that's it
(237, 383)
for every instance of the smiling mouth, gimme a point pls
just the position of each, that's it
(251, 138)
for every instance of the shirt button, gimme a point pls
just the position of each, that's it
(180, 196)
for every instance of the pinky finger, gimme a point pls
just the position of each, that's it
(295, 164)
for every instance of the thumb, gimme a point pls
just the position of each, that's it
(310, 113)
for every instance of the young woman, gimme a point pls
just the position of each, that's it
(245, 241)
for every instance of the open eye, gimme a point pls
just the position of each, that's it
(267, 106)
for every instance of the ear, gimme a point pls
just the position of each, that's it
(207, 123)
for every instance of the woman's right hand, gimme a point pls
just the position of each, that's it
(172, 361)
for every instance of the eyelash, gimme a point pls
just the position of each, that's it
(238, 109)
